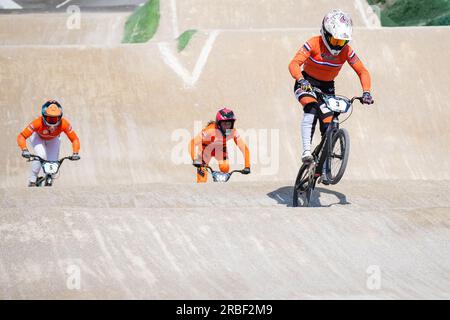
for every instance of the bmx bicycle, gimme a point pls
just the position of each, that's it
(50, 168)
(330, 156)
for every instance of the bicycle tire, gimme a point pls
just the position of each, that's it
(304, 183)
(341, 139)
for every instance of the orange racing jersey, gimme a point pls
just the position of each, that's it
(210, 138)
(320, 64)
(48, 133)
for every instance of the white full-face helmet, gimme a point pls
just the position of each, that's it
(337, 27)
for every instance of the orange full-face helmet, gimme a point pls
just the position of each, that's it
(52, 113)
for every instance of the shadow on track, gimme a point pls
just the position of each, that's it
(283, 196)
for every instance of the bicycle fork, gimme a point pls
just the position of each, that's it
(327, 150)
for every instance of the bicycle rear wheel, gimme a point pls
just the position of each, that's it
(304, 184)
(340, 151)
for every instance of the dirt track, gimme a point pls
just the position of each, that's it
(129, 216)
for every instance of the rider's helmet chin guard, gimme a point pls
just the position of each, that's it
(222, 115)
(336, 31)
(52, 113)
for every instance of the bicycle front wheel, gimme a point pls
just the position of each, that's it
(304, 184)
(340, 151)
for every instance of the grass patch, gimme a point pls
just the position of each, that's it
(413, 12)
(184, 39)
(141, 26)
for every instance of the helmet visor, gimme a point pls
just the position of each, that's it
(227, 124)
(338, 42)
(52, 120)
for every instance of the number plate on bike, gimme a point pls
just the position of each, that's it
(50, 167)
(337, 104)
(220, 177)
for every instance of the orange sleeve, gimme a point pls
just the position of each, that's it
(300, 57)
(361, 71)
(67, 128)
(195, 145)
(27, 132)
(244, 149)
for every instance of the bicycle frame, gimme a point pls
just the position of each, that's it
(323, 150)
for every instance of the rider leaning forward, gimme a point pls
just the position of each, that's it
(211, 142)
(44, 133)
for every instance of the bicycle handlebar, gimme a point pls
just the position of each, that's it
(230, 173)
(356, 98)
(36, 157)
(360, 99)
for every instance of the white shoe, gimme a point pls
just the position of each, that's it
(307, 156)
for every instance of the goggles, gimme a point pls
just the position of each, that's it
(338, 42)
(227, 123)
(52, 120)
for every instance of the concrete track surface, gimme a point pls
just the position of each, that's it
(129, 222)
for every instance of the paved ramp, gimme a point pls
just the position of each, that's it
(129, 220)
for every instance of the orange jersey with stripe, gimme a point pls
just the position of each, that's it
(48, 133)
(212, 139)
(320, 64)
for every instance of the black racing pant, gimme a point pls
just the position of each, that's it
(314, 108)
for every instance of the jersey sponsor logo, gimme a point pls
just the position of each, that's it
(45, 131)
(328, 56)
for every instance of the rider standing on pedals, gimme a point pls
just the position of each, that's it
(45, 137)
(212, 142)
(322, 57)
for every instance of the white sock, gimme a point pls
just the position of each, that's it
(307, 123)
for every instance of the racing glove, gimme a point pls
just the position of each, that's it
(26, 154)
(75, 156)
(246, 170)
(367, 98)
(197, 163)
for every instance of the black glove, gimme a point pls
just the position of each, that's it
(26, 154)
(304, 85)
(246, 170)
(367, 98)
(197, 163)
(75, 156)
